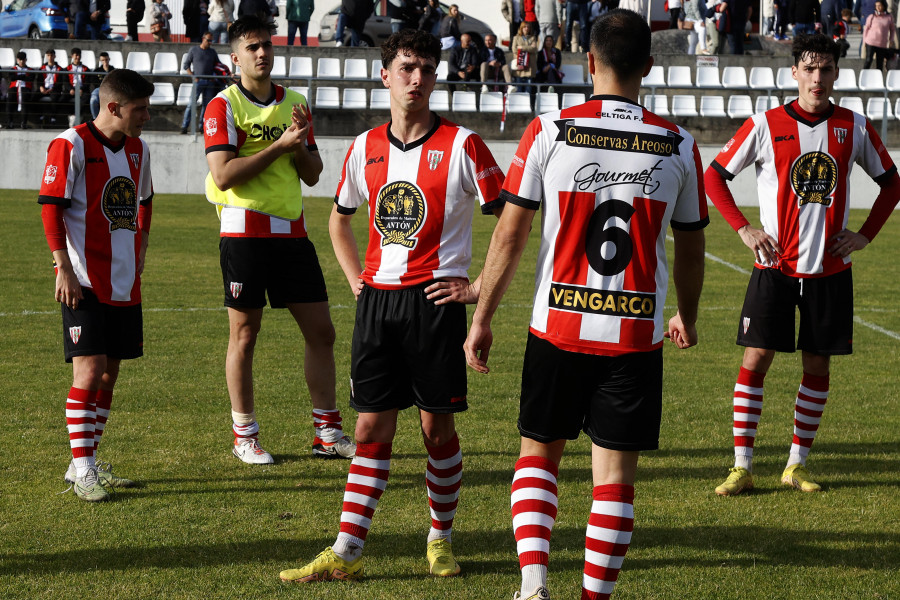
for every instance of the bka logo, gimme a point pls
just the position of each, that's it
(135, 160)
(372, 161)
(746, 324)
(266, 133)
(211, 126)
(841, 134)
(784, 138)
(399, 213)
(434, 158)
(95, 160)
(119, 203)
(50, 174)
(814, 178)
(236, 289)
(75, 334)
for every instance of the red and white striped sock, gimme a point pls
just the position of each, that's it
(748, 399)
(245, 430)
(81, 419)
(534, 504)
(443, 478)
(328, 425)
(808, 410)
(365, 483)
(608, 536)
(104, 402)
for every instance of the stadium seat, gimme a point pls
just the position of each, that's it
(139, 61)
(734, 78)
(442, 70)
(184, 94)
(657, 104)
(679, 77)
(518, 102)
(279, 66)
(380, 99)
(463, 102)
(762, 78)
(573, 74)
(440, 100)
(163, 94)
(116, 59)
(301, 89)
(572, 99)
(328, 97)
(789, 99)
(547, 102)
(354, 98)
(708, 77)
(166, 63)
(878, 109)
(853, 103)
(34, 58)
(740, 106)
(764, 103)
(892, 83)
(871, 80)
(897, 108)
(301, 67)
(491, 102)
(62, 57)
(89, 59)
(846, 81)
(328, 68)
(784, 79)
(7, 58)
(355, 68)
(376, 69)
(684, 105)
(712, 106)
(655, 78)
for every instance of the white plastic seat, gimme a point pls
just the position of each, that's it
(116, 59)
(163, 95)
(892, 83)
(657, 104)
(573, 74)
(679, 77)
(784, 79)
(442, 70)
(300, 67)
(139, 61)
(547, 102)
(655, 78)
(871, 80)
(765, 102)
(762, 78)
(878, 109)
(329, 68)
(570, 99)
(62, 57)
(684, 105)
(166, 63)
(7, 58)
(464, 102)
(302, 90)
(89, 59)
(708, 77)
(279, 66)
(897, 108)
(734, 78)
(328, 97)
(184, 94)
(440, 100)
(712, 106)
(846, 81)
(354, 98)
(355, 68)
(34, 58)
(789, 99)
(491, 102)
(740, 106)
(376, 69)
(518, 102)
(853, 103)
(380, 99)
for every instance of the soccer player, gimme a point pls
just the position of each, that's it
(610, 177)
(259, 147)
(421, 176)
(96, 198)
(803, 152)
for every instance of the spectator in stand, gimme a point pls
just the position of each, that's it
(19, 93)
(465, 61)
(674, 13)
(200, 62)
(78, 83)
(298, 14)
(804, 16)
(450, 31)
(841, 29)
(862, 9)
(190, 13)
(781, 19)
(97, 19)
(524, 50)
(596, 9)
(431, 18)
(638, 6)
(102, 70)
(134, 14)
(354, 14)
(530, 15)
(159, 21)
(768, 14)
(260, 8)
(51, 88)
(514, 13)
(79, 16)
(831, 14)
(693, 12)
(395, 12)
(547, 18)
(879, 35)
(549, 60)
(739, 12)
(493, 63)
(221, 14)
(577, 10)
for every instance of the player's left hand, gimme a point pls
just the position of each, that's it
(682, 335)
(478, 346)
(455, 289)
(846, 242)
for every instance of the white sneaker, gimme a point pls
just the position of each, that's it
(248, 450)
(338, 44)
(340, 448)
(484, 89)
(89, 488)
(511, 89)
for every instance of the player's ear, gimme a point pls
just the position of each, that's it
(647, 67)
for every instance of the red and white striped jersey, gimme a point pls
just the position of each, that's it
(803, 179)
(420, 200)
(610, 177)
(100, 184)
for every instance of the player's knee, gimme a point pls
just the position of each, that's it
(322, 336)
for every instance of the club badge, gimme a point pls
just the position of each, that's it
(841, 134)
(75, 334)
(814, 178)
(119, 203)
(236, 289)
(211, 126)
(434, 158)
(50, 174)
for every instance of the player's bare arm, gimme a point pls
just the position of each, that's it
(345, 249)
(145, 241)
(68, 290)
(687, 273)
(507, 245)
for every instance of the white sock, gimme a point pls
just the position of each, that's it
(741, 460)
(533, 576)
(437, 534)
(82, 464)
(346, 549)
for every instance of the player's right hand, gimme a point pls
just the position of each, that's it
(68, 290)
(478, 347)
(765, 248)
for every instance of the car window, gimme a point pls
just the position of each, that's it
(18, 4)
(33, 3)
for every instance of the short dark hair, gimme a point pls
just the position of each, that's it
(248, 24)
(75, 51)
(125, 85)
(103, 55)
(620, 40)
(846, 12)
(816, 44)
(418, 43)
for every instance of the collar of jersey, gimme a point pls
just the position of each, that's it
(613, 97)
(415, 144)
(256, 100)
(105, 140)
(823, 116)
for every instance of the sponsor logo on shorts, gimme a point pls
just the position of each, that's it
(236, 289)
(119, 203)
(75, 334)
(211, 126)
(457, 399)
(50, 174)
(434, 158)
(746, 323)
(399, 213)
(814, 178)
(573, 298)
(841, 134)
(581, 136)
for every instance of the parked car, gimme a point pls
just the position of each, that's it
(378, 26)
(37, 19)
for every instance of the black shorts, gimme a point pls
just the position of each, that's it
(615, 400)
(95, 328)
(826, 312)
(287, 268)
(407, 351)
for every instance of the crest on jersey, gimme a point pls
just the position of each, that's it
(119, 203)
(50, 174)
(841, 134)
(814, 178)
(746, 324)
(75, 334)
(211, 126)
(236, 289)
(434, 158)
(399, 213)
(135, 160)
(728, 145)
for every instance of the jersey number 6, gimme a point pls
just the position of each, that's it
(598, 234)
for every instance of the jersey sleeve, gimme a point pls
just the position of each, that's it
(874, 157)
(483, 177)
(691, 212)
(523, 185)
(60, 172)
(351, 191)
(145, 194)
(219, 132)
(740, 151)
